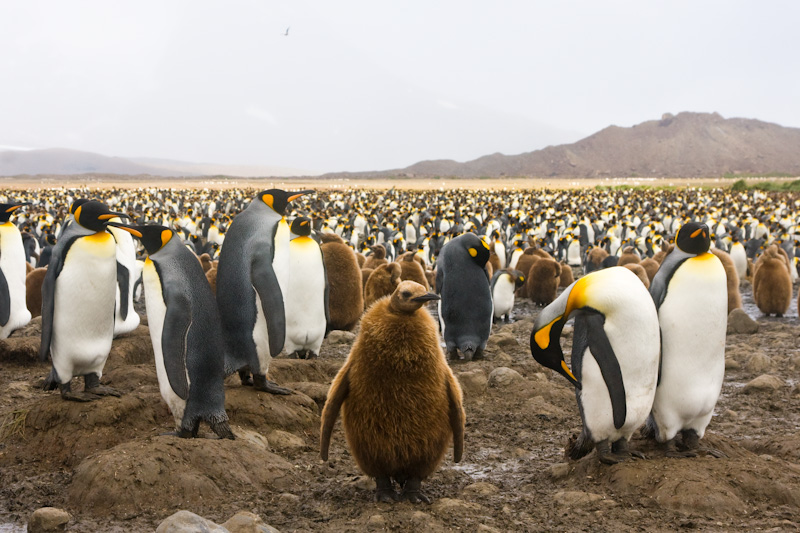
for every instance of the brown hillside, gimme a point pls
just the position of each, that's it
(685, 145)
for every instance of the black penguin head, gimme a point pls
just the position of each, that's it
(6, 211)
(477, 248)
(410, 296)
(693, 238)
(278, 199)
(153, 237)
(93, 215)
(301, 226)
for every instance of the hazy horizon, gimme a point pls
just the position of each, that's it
(361, 85)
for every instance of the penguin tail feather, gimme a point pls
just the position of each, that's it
(649, 430)
(51, 381)
(579, 446)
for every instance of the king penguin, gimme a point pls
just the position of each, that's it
(125, 318)
(248, 291)
(306, 299)
(78, 303)
(615, 352)
(504, 283)
(13, 309)
(465, 310)
(185, 330)
(690, 293)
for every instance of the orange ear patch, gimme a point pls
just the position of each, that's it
(166, 235)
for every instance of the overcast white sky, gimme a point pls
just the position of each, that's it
(370, 85)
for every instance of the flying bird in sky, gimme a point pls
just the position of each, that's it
(287, 32)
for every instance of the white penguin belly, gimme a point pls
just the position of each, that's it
(739, 258)
(304, 299)
(261, 337)
(503, 296)
(126, 256)
(156, 311)
(83, 316)
(693, 320)
(633, 334)
(12, 263)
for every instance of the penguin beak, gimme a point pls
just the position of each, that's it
(111, 214)
(133, 231)
(297, 195)
(427, 297)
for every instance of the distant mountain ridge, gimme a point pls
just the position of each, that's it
(684, 145)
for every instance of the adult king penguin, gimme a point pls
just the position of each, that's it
(615, 352)
(14, 312)
(185, 330)
(78, 303)
(306, 301)
(465, 310)
(125, 318)
(690, 293)
(248, 292)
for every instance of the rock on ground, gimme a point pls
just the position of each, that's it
(187, 522)
(48, 519)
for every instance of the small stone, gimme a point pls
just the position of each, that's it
(376, 522)
(362, 482)
(420, 518)
(283, 440)
(48, 519)
(795, 391)
(473, 383)
(504, 377)
(538, 376)
(338, 336)
(740, 322)
(289, 499)
(730, 414)
(187, 522)
(732, 364)
(558, 471)
(765, 382)
(480, 489)
(758, 363)
(454, 505)
(244, 522)
(502, 358)
(576, 498)
(503, 339)
(254, 438)
(539, 406)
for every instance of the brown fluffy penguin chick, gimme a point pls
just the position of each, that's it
(567, 277)
(650, 266)
(28, 268)
(640, 272)
(400, 403)
(524, 264)
(594, 259)
(345, 289)
(211, 276)
(430, 275)
(365, 274)
(410, 268)
(494, 260)
(361, 258)
(734, 296)
(376, 258)
(382, 282)
(205, 261)
(772, 285)
(628, 256)
(33, 291)
(543, 279)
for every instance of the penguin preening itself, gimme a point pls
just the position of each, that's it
(306, 300)
(691, 296)
(399, 427)
(465, 310)
(615, 351)
(185, 330)
(14, 312)
(78, 295)
(125, 318)
(248, 292)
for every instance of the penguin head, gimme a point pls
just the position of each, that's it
(693, 238)
(93, 215)
(153, 237)
(6, 210)
(410, 296)
(518, 277)
(301, 226)
(278, 199)
(477, 248)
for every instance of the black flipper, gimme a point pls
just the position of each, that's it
(123, 281)
(49, 294)
(609, 366)
(177, 322)
(269, 292)
(5, 300)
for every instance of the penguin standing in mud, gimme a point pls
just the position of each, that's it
(615, 352)
(465, 310)
(78, 303)
(14, 312)
(125, 318)
(248, 292)
(504, 284)
(185, 330)
(690, 293)
(399, 428)
(306, 299)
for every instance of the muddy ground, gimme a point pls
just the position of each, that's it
(106, 463)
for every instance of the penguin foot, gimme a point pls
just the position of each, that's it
(478, 355)
(713, 452)
(691, 441)
(91, 384)
(622, 449)
(67, 394)
(247, 379)
(453, 355)
(606, 456)
(412, 493)
(384, 491)
(310, 355)
(260, 382)
(671, 450)
(222, 430)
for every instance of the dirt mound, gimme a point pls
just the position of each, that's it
(159, 474)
